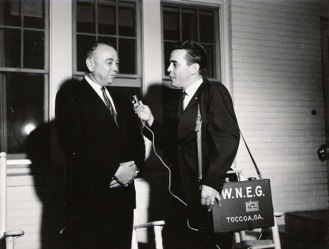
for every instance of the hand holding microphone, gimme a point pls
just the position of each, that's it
(143, 111)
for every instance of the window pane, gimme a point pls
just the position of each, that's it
(34, 48)
(171, 24)
(130, 91)
(168, 47)
(85, 17)
(116, 23)
(82, 42)
(24, 107)
(106, 19)
(10, 13)
(10, 52)
(189, 25)
(33, 13)
(188, 22)
(110, 40)
(127, 56)
(127, 19)
(207, 26)
(211, 63)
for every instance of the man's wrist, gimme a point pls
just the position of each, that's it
(150, 121)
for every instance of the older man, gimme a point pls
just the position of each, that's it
(104, 149)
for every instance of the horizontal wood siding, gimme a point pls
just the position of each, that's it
(278, 96)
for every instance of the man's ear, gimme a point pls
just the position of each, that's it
(90, 64)
(195, 68)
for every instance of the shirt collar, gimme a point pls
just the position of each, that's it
(190, 91)
(98, 90)
(93, 84)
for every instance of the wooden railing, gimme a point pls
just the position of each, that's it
(9, 236)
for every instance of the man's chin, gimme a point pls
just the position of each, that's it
(173, 84)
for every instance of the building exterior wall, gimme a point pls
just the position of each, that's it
(278, 96)
(275, 78)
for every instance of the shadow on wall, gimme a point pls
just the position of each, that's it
(161, 101)
(47, 169)
(48, 175)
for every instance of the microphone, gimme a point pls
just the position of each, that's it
(135, 100)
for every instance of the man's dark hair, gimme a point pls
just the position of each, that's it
(196, 53)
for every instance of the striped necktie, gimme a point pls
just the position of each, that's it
(109, 106)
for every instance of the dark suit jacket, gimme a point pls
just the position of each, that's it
(220, 140)
(94, 147)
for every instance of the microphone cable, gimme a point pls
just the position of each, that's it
(169, 181)
(169, 173)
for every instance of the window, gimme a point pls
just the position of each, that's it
(113, 21)
(23, 72)
(185, 22)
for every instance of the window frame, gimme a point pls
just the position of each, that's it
(15, 70)
(122, 80)
(218, 56)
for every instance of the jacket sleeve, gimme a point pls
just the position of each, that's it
(222, 134)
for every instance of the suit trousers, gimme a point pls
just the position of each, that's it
(112, 231)
(180, 232)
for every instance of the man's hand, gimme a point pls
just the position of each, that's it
(126, 174)
(144, 113)
(208, 197)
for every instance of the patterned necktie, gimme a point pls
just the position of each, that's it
(109, 106)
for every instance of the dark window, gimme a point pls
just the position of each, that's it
(23, 110)
(113, 21)
(23, 71)
(182, 22)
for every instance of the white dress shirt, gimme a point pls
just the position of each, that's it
(190, 91)
(98, 90)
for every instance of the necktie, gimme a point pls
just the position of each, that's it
(181, 103)
(109, 106)
(184, 94)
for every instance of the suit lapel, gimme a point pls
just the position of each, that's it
(94, 99)
(187, 121)
(195, 99)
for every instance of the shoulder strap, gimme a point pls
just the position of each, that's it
(252, 158)
(198, 130)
